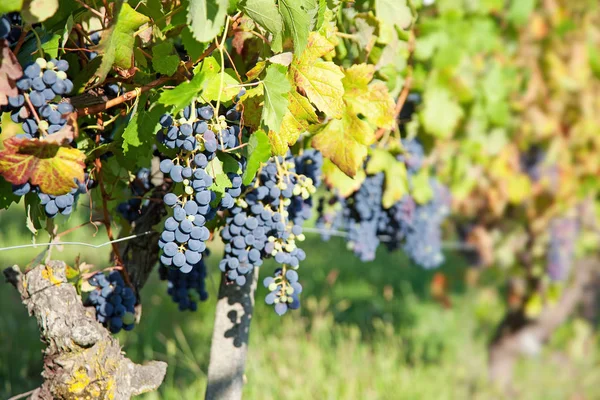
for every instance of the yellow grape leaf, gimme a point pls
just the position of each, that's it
(344, 141)
(373, 101)
(336, 179)
(320, 80)
(300, 114)
(51, 167)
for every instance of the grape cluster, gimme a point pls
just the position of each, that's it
(268, 223)
(424, 236)
(44, 83)
(114, 302)
(416, 228)
(561, 249)
(196, 136)
(283, 292)
(186, 289)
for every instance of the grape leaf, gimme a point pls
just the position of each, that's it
(338, 180)
(320, 80)
(206, 18)
(35, 11)
(396, 181)
(6, 194)
(296, 23)
(421, 189)
(440, 114)
(344, 141)
(299, 115)
(164, 59)
(265, 13)
(212, 87)
(10, 5)
(276, 87)
(252, 103)
(193, 47)
(47, 165)
(10, 71)
(51, 46)
(182, 95)
(117, 42)
(373, 101)
(259, 152)
(394, 12)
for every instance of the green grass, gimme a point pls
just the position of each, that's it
(365, 331)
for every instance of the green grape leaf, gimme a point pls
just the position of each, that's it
(396, 178)
(193, 47)
(140, 133)
(440, 114)
(212, 87)
(206, 18)
(164, 58)
(51, 46)
(276, 88)
(394, 13)
(296, 23)
(344, 141)
(116, 46)
(259, 152)
(6, 194)
(421, 191)
(297, 119)
(338, 180)
(265, 13)
(320, 80)
(67, 31)
(206, 73)
(373, 101)
(46, 164)
(7, 6)
(220, 179)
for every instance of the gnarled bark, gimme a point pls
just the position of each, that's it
(517, 335)
(229, 345)
(82, 359)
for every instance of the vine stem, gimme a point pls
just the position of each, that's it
(132, 94)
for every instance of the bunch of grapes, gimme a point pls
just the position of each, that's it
(114, 302)
(186, 289)
(267, 223)
(196, 136)
(43, 85)
(414, 227)
(561, 249)
(424, 236)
